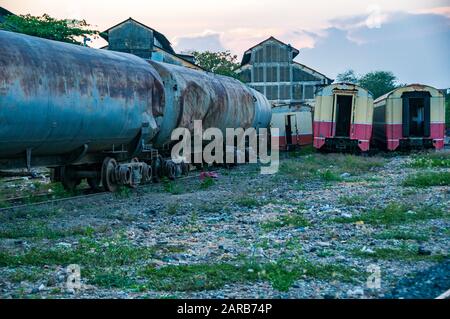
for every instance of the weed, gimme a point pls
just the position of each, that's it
(395, 214)
(428, 179)
(291, 220)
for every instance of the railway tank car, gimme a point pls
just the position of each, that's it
(96, 114)
(410, 117)
(343, 118)
(218, 101)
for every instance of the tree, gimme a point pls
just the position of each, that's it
(377, 82)
(348, 76)
(223, 63)
(49, 28)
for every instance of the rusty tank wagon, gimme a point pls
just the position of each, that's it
(106, 116)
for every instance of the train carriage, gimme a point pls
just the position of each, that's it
(410, 117)
(343, 118)
(107, 116)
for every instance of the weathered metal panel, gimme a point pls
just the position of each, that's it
(131, 37)
(396, 108)
(55, 97)
(325, 115)
(217, 101)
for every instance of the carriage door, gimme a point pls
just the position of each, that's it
(344, 105)
(416, 114)
(290, 125)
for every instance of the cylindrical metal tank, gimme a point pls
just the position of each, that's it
(55, 97)
(218, 101)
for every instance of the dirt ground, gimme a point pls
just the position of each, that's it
(325, 226)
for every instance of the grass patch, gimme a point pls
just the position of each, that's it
(405, 252)
(395, 214)
(330, 176)
(351, 200)
(282, 274)
(88, 253)
(438, 159)
(428, 179)
(41, 230)
(250, 202)
(328, 167)
(123, 192)
(400, 235)
(207, 183)
(172, 187)
(290, 220)
(172, 209)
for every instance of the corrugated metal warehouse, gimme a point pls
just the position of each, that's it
(410, 117)
(269, 68)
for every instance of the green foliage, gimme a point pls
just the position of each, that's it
(431, 160)
(395, 214)
(172, 187)
(377, 82)
(208, 182)
(49, 28)
(400, 235)
(250, 202)
(428, 179)
(223, 63)
(282, 274)
(328, 167)
(351, 200)
(290, 220)
(348, 76)
(404, 252)
(39, 230)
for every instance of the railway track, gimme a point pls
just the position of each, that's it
(21, 201)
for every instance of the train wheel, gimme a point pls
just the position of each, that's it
(108, 171)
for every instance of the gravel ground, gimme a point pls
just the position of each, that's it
(321, 228)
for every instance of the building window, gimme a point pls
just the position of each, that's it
(259, 56)
(272, 74)
(309, 92)
(298, 91)
(285, 74)
(272, 53)
(260, 89)
(258, 74)
(245, 76)
(285, 92)
(272, 92)
(284, 55)
(300, 76)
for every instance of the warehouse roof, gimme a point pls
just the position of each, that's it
(165, 43)
(248, 53)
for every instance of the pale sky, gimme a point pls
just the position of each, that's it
(332, 35)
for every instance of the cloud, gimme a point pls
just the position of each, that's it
(444, 11)
(205, 41)
(413, 46)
